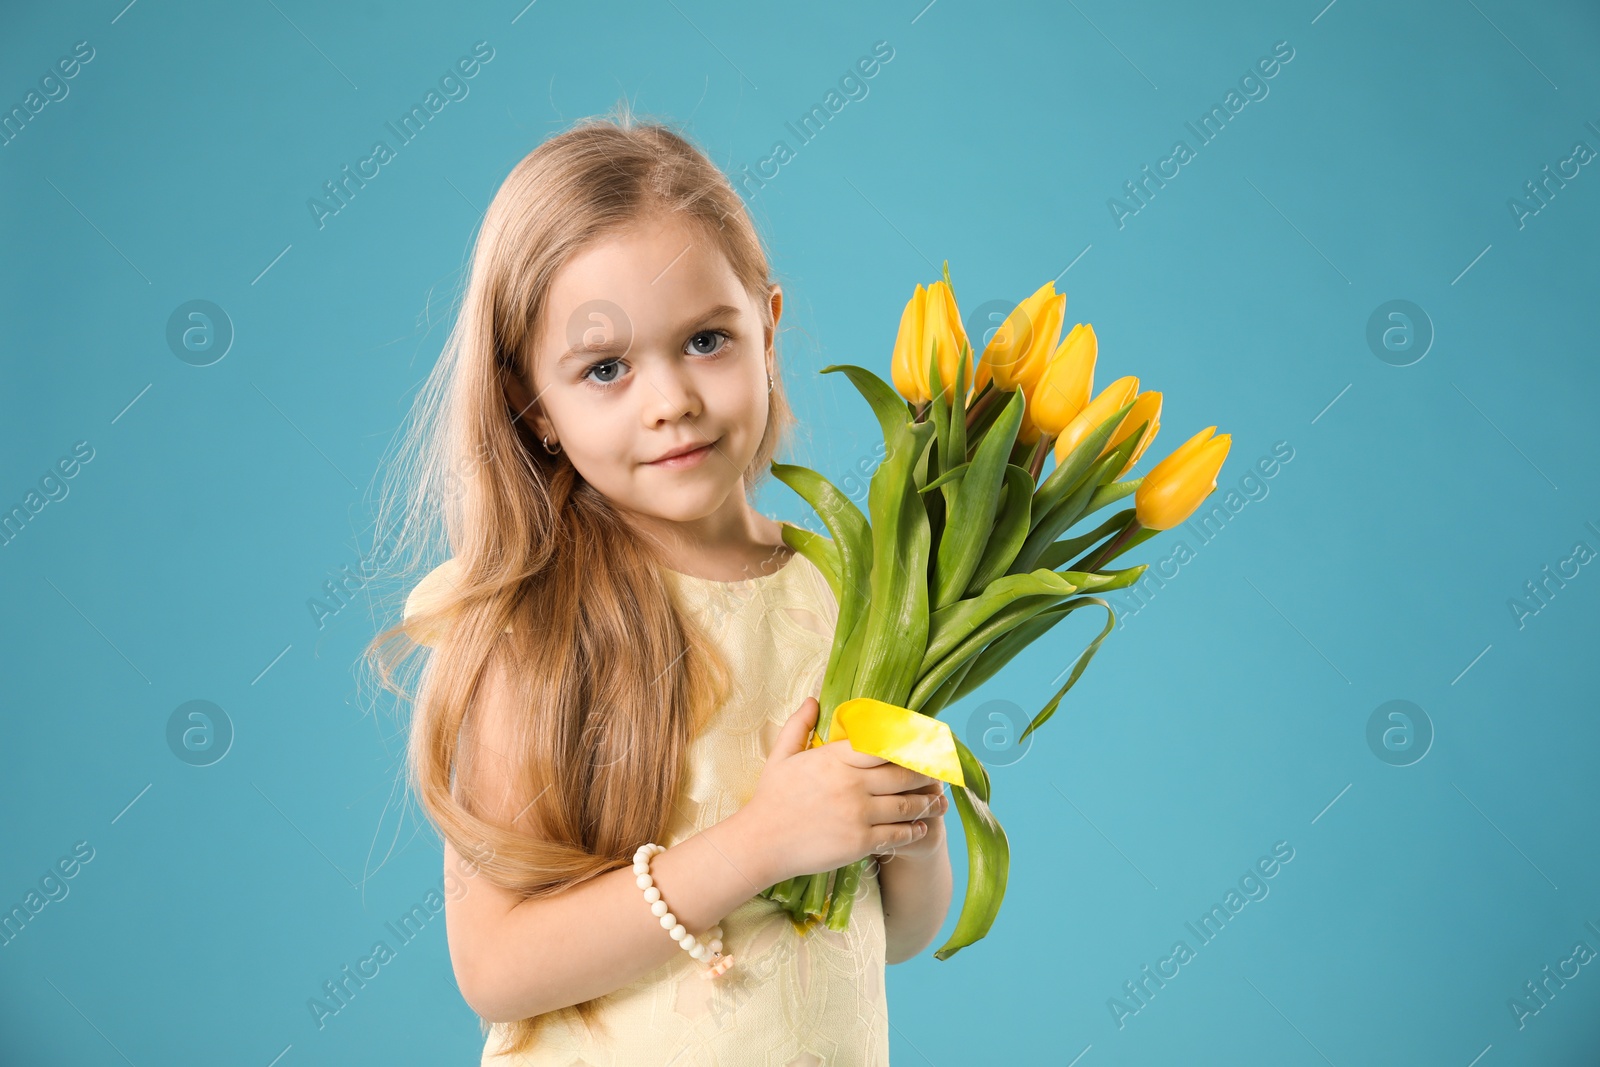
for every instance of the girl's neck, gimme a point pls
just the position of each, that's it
(749, 545)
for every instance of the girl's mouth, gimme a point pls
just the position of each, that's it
(687, 459)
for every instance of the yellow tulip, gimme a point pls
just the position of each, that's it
(1175, 487)
(942, 331)
(1017, 353)
(1066, 385)
(903, 367)
(930, 323)
(1147, 406)
(1099, 410)
(1027, 432)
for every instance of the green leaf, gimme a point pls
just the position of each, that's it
(852, 538)
(887, 405)
(971, 518)
(1010, 530)
(939, 414)
(897, 617)
(1000, 623)
(954, 474)
(1001, 651)
(1144, 534)
(946, 693)
(988, 865)
(1061, 517)
(839, 678)
(1059, 552)
(973, 770)
(952, 421)
(822, 552)
(972, 511)
(1065, 479)
(992, 407)
(954, 444)
(1104, 581)
(949, 626)
(1125, 452)
(1083, 661)
(1109, 494)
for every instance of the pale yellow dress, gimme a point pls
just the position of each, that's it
(791, 999)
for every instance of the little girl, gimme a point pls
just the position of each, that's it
(604, 731)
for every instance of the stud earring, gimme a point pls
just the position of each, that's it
(769, 381)
(553, 451)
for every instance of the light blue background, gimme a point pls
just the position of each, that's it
(1228, 714)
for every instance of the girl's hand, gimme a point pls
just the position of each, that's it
(824, 807)
(933, 842)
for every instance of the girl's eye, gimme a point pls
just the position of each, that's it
(705, 335)
(605, 364)
(695, 346)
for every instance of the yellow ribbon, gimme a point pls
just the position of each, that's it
(899, 735)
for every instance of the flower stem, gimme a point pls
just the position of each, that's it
(787, 892)
(844, 895)
(981, 402)
(1109, 551)
(816, 894)
(1039, 452)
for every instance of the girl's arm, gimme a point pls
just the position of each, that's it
(517, 958)
(914, 882)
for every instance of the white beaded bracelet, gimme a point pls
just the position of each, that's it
(711, 949)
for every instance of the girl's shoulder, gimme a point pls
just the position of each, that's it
(428, 596)
(797, 584)
(435, 591)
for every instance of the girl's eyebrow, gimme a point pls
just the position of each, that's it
(619, 346)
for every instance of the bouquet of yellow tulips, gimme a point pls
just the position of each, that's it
(963, 563)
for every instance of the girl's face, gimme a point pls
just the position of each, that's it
(650, 345)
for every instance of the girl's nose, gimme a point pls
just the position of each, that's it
(669, 395)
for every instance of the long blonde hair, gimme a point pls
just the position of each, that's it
(613, 679)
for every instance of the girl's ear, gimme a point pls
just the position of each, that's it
(519, 400)
(775, 293)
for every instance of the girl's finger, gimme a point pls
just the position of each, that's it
(848, 754)
(893, 778)
(904, 807)
(898, 835)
